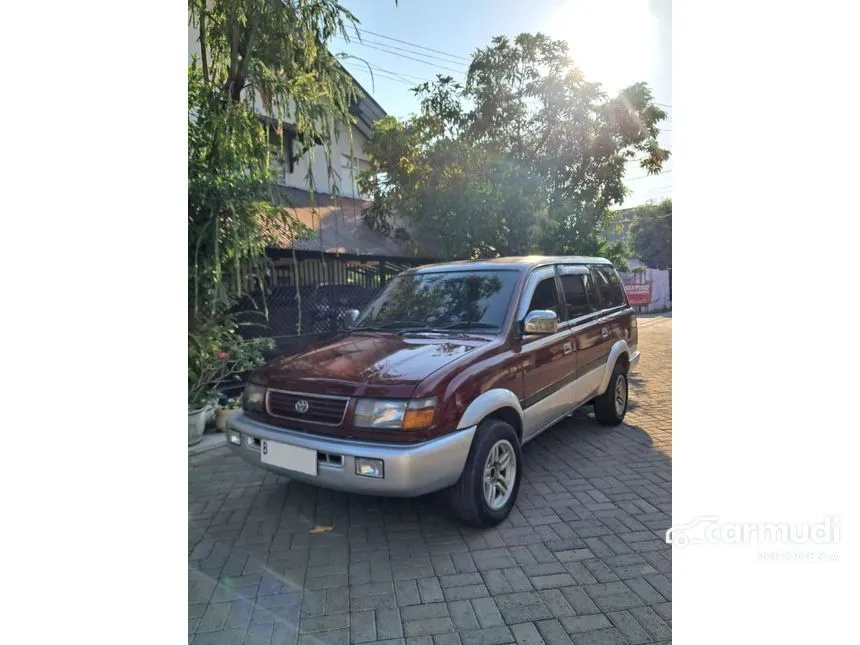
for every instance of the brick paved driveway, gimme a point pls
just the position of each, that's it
(580, 559)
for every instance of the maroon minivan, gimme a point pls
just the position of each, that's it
(442, 378)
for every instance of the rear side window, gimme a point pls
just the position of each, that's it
(609, 286)
(579, 295)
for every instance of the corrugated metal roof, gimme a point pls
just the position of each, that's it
(337, 224)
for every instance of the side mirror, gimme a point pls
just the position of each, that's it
(350, 316)
(540, 321)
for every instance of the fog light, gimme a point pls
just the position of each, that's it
(369, 467)
(234, 438)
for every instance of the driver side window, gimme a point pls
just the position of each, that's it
(546, 297)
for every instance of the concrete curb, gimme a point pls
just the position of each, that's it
(209, 442)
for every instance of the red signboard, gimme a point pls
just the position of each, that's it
(638, 294)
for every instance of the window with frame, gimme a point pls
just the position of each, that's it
(545, 297)
(609, 286)
(579, 295)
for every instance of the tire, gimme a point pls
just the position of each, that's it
(467, 496)
(606, 411)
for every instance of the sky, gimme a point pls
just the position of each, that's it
(615, 42)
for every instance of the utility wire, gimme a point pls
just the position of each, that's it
(418, 60)
(374, 44)
(406, 42)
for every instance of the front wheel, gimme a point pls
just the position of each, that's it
(488, 487)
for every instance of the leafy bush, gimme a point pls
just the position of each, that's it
(217, 354)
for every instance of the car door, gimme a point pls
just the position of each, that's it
(584, 312)
(617, 314)
(549, 360)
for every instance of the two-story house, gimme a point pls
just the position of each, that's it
(344, 263)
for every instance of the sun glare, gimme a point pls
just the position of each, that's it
(612, 41)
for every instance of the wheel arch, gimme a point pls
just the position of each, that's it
(499, 403)
(620, 352)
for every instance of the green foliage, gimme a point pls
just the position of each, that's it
(217, 354)
(528, 156)
(263, 64)
(650, 233)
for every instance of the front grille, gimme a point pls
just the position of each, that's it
(328, 410)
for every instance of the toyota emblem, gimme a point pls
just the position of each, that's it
(302, 406)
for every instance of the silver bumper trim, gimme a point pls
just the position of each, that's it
(410, 470)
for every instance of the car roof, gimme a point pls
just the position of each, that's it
(521, 263)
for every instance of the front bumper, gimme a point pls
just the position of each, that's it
(409, 470)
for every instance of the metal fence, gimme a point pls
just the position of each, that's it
(307, 296)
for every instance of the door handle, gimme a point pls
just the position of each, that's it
(566, 348)
(604, 332)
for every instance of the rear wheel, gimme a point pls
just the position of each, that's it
(611, 406)
(488, 487)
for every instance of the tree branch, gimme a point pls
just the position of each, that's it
(203, 58)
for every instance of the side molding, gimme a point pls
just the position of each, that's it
(489, 402)
(620, 347)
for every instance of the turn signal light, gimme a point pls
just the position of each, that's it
(418, 419)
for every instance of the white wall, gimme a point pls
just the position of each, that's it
(659, 279)
(314, 160)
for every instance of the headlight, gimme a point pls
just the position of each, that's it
(254, 397)
(416, 414)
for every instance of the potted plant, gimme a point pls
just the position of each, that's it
(216, 355)
(224, 412)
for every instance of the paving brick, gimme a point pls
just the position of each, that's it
(579, 624)
(428, 626)
(333, 637)
(384, 601)
(324, 623)
(488, 636)
(652, 622)
(552, 632)
(336, 600)
(522, 607)
(463, 615)
(617, 602)
(214, 617)
(493, 559)
(609, 636)
(389, 624)
(487, 612)
(553, 582)
(418, 612)
(430, 590)
(460, 580)
(407, 592)
(446, 639)
(579, 600)
(629, 627)
(527, 634)
(226, 637)
(557, 604)
(465, 593)
(362, 626)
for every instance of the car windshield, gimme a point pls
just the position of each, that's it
(442, 300)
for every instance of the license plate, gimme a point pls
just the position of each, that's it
(301, 460)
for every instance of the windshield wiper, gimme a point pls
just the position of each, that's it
(390, 326)
(463, 324)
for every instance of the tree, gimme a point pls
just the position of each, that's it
(263, 63)
(527, 156)
(650, 234)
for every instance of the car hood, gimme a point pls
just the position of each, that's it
(372, 364)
